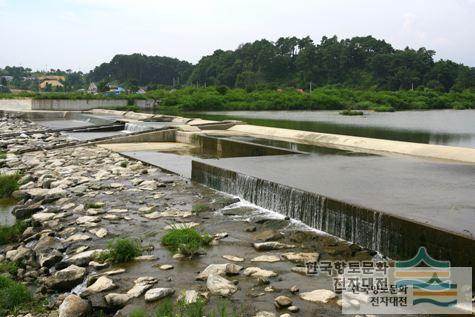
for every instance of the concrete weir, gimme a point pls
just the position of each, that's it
(394, 236)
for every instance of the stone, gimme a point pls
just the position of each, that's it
(285, 315)
(166, 267)
(152, 215)
(294, 289)
(101, 233)
(142, 284)
(258, 272)
(49, 258)
(266, 258)
(219, 269)
(97, 265)
(67, 278)
(78, 237)
(43, 216)
(264, 314)
(155, 294)
(318, 296)
(20, 254)
(87, 219)
(282, 301)
(268, 246)
(82, 258)
(293, 309)
(74, 306)
(299, 270)
(114, 272)
(117, 300)
(233, 258)
(102, 284)
(183, 225)
(218, 285)
(267, 235)
(118, 211)
(150, 257)
(301, 257)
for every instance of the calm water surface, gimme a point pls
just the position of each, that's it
(447, 127)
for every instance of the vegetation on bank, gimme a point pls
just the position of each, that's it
(13, 296)
(186, 241)
(325, 98)
(121, 251)
(13, 232)
(8, 184)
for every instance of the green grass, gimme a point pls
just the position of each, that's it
(12, 233)
(185, 241)
(124, 164)
(9, 267)
(348, 112)
(8, 184)
(3, 155)
(199, 208)
(138, 313)
(13, 296)
(121, 251)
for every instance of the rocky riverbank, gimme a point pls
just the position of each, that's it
(75, 200)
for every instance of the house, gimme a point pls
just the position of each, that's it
(92, 88)
(54, 81)
(141, 91)
(7, 78)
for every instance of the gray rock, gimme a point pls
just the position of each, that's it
(49, 258)
(268, 246)
(158, 293)
(218, 285)
(74, 306)
(282, 301)
(117, 300)
(67, 278)
(102, 284)
(318, 296)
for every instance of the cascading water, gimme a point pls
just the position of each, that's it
(134, 127)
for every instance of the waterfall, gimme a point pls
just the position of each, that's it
(134, 127)
(349, 222)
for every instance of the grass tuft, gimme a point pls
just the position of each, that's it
(186, 241)
(13, 296)
(120, 251)
(9, 267)
(12, 233)
(138, 313)
(8, 184)
(92, 206)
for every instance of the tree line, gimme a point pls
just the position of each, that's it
(359, 62)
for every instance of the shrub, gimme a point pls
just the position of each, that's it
(186, 241)
(11, 233)
(120, 251)
(13, 295)
(351, 113)
(384, 108)
(9, 267)
(199, 208)
(181, 309)
(8, 184)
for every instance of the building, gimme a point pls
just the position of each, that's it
(92, 88)
(54, 81)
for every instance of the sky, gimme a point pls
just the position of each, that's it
(81, 34)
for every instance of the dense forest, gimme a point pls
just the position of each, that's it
(359, 62)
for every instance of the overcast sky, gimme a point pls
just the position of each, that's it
(80, 34)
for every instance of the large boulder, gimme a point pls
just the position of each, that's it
(74, 306)
(218, 285)
(155, 294)
(67, 278)
(318, 296)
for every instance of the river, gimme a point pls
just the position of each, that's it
(446, 127)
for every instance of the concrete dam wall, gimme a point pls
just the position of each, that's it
(388, 234)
